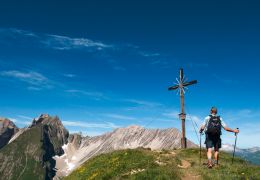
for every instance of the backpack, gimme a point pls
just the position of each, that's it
(214, 126)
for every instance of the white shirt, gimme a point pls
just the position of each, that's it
(206, 121)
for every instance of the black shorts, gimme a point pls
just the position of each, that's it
(213, 141)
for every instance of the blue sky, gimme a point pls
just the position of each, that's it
(102, 65)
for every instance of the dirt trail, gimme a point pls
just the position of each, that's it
(184, 164)
(191, 177)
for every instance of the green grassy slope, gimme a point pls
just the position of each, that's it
(21, 158)
(146, 164)
(239, 170)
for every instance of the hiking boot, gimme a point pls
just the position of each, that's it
(215, 163)
(210, 164)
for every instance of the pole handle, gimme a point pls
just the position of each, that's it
(236, 133)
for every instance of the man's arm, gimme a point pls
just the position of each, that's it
(231, 130)
(203, 125)
(227, 128)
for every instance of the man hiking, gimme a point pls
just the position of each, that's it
(212, 126)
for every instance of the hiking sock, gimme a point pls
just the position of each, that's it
(209, 163)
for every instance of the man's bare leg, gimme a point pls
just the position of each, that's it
(209, 155)
(216, 156)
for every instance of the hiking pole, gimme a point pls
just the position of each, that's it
(234, 147)
(200, 147)
(201, 132)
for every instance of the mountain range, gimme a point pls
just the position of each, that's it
(45, 150)
(80, 149)
(251, 154)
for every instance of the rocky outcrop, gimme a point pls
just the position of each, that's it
(7, 130)
(79, 149)
(29, 154)
(54, 130)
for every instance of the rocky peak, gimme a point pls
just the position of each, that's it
(6, 123)
(132, 129)
(46, 119)
(7, 130)
(75, 140)
(79, 149)
(53, 130)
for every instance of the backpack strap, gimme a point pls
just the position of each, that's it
(216, 117)
(210, 117)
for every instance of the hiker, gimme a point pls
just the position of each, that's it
(212, 127)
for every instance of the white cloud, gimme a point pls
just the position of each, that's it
(149, 54)
(195, 118)
(22, 32)
(55, 41)
(156, 62)
(34, 88)
(238, 117)
(118, 116)
(92, 94)
(143, 103)
(172, 114)
(25, 117)
(106, 125)
(20, 122)
(13, 119)
(68, 43)
(69, 75)
(35, 79)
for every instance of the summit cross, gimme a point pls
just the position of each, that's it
(181, 85)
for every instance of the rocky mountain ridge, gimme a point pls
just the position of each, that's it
(80, 149)
(7, 130)
(29, 153)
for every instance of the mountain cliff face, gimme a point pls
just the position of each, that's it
(7, 131)
(79, 149)
(29, 154)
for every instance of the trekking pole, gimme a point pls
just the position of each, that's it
(201, 133)
(200, 147)
(234, 147)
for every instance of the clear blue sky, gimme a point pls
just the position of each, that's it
(99, 65)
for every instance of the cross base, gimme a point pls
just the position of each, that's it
(184, 143)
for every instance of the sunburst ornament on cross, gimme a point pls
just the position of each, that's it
(181, 86)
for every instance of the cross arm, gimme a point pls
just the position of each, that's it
(173, 87)
(190, 83)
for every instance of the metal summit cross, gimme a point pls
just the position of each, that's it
(181, 85)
